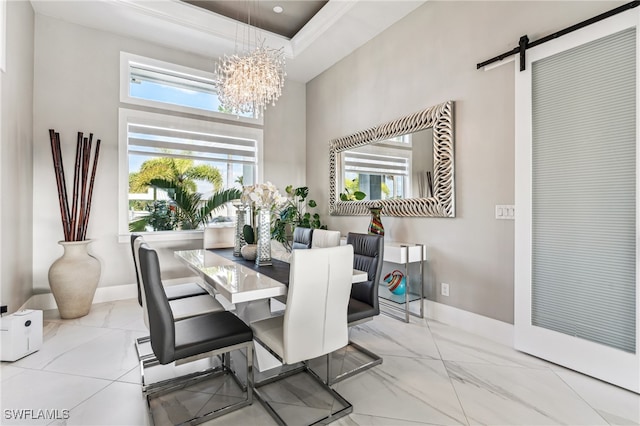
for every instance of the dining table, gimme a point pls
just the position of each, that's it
(239, 280)
(248, 287)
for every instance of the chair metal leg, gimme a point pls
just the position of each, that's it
(170, 385)
(375, 360)
(348, 408)
(139, 341)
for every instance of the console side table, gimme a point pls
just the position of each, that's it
(403, 254)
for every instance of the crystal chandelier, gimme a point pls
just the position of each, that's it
(247, 82)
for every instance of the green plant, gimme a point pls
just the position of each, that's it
(294, 213)
(162, 217)
(192, 211)
(349, 195)
(181, 171)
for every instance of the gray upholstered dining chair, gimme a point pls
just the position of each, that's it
(184, 299)
(364, 304)
(323, 238)
(314, 323)
(178, 291)
(302, 238)
(208, 335)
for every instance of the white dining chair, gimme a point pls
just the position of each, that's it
(314, 323)
(323, 238)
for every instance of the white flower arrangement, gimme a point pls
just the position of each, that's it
(262, 195)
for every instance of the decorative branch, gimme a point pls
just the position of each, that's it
(90, 194)
(60, 182)
(76, 181)
(76, 219)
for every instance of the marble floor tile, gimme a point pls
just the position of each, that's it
(460, 346)
(115, 314)
(616, 405)
(7, 371)
(44, 390)
(387, 336)
(59, 338)
(115, 405)
(432, 374)
(492, 394)
(137, 324)
(410, 389)
(132, 376)
(108, 356)
(364, 420)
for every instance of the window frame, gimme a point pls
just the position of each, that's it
(126, 116)
(129, 59)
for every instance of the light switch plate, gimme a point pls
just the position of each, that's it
(505, 211)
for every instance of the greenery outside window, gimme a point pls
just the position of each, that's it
(201, 156)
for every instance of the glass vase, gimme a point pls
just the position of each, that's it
(264, 237)
(375, 225)
(240, 222)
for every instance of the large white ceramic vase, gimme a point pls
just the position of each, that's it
(73, 279)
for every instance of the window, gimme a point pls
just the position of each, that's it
(158, 84)
(200, 155)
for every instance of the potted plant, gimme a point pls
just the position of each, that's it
(74, 277)
(294, 213)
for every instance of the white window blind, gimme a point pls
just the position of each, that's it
(584, 191)
(375, 164)
(141, 73)
(171, 142)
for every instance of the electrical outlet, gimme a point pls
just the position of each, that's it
(444, 289)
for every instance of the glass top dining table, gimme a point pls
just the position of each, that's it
(241, 281)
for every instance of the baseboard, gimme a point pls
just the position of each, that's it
(46, 301)
(489, 328)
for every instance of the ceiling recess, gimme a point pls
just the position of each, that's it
(286, 23)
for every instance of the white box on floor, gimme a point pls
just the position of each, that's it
(21, 334)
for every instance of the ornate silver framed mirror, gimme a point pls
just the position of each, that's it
(404, 166)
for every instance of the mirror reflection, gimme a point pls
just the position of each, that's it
(404, 166)
(395, 168)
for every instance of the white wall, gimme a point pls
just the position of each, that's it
(285, 136)
(427, 58)
(16, 150)
(76, 89)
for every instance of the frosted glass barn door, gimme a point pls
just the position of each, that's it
(576, 236)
